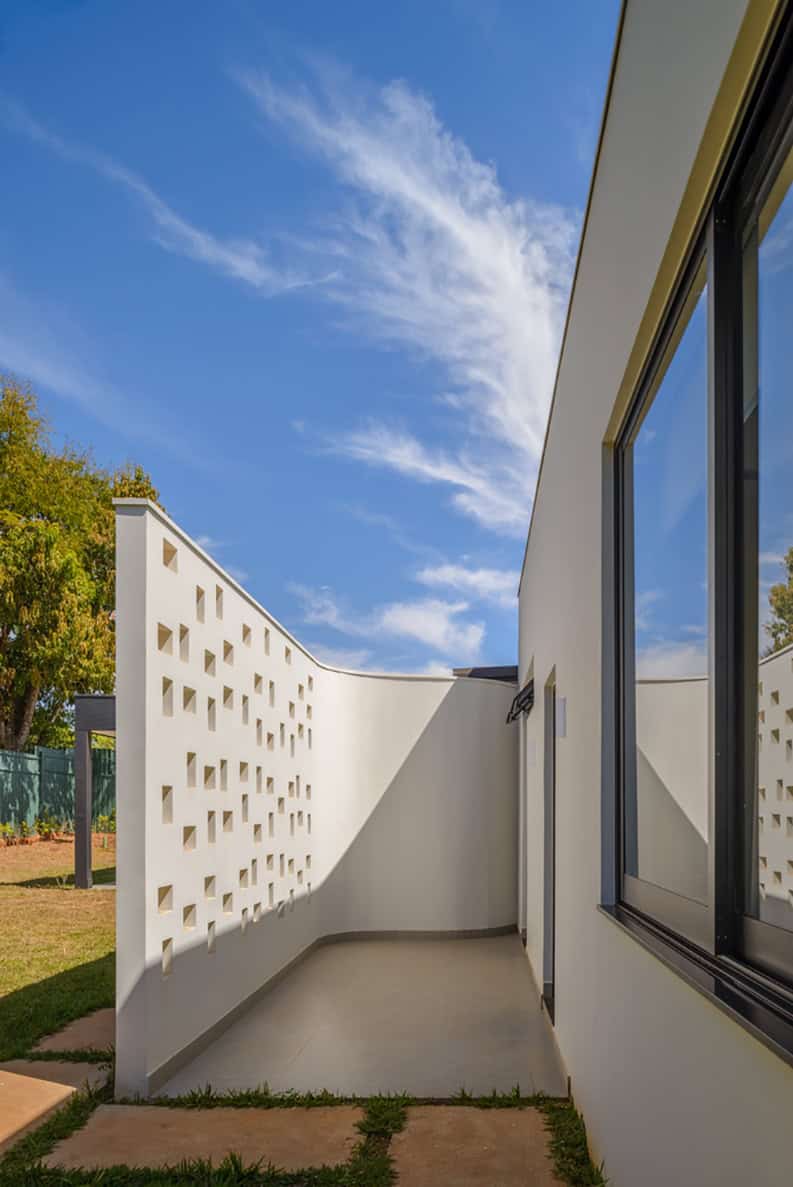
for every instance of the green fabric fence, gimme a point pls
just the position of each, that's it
(42, 783)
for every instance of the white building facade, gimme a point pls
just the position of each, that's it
(656, 765)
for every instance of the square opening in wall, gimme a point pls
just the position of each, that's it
(297, 785)
(228, 652)
(308, 791)
(291, 865)
(266, 641)
(269, 861)
(282, 733)
(271, 694)
(228, 697)
(200, 604)
(244, 878)
(228, 903)
(271, 824)
(309, 738)
(301, 692)
(211, 715)
(211, 827)
(188, 699)
(244, 809)
(300, 877)
(271, 741)
(300, 819)
(209, 663)
(192, 769)
(308, 822)
(291, 708)
(167, 957)
(254, 872)
(258, 682)
(257, 834)
(209, 886)
(243, 772)
(218, 602)
(170, 557)
(167, 804)
(291, 745)
(309, 712)
(164, 639)
(189, 916)
(167, 697)
(308, 861)
(257, 912)
(300, 730)
(246, 634)
(189, 839)
(270, 894)
(259, 731)
(228, 822)
(224, 774)
(244, 920)
(259, 784)
(245, 709)
(270, 785)
(281, 864)
(288, 655)
(291, 824)
(281, 808)
(291, 789)
(209, 778)
(211, 936)
(164, 899)
(311, 684)
(184, 644)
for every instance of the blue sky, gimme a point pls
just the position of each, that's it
(309, 265)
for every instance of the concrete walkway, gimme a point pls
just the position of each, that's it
(30, 1090)
(427, 1017)
(440, 1144)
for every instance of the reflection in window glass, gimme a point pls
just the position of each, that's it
(666, 600)
(768, 556)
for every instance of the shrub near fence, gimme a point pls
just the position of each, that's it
(42, 783)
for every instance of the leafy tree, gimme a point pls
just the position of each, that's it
(780, 599)
(57, 573)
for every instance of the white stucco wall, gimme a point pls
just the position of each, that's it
(672, 1090)
(390, 800)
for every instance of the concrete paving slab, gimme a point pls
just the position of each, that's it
(97, 1030)
(470, 1147)
(152, 1136)
(32, 1089)
(428, 1017)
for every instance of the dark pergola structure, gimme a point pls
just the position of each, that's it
(92, 715)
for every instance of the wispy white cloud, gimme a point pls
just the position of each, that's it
(428, 621)
(240, 575)
(497, 586)
(436, 258)
(41, 345)
(667, 660)
(241, 259)
(341, 657)
(644, 602)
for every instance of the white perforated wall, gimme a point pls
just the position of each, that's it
(266, 801)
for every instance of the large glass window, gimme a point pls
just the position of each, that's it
(665, 628)
(699, 682)
(767, 403)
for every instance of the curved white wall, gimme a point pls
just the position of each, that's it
(348, 802)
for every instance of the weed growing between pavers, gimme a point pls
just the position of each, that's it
(369, 1165)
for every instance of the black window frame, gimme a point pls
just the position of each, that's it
(742, 963)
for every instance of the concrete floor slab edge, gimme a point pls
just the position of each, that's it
(171, 1066)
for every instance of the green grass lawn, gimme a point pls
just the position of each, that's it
(57, 944)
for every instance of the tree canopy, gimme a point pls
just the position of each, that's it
(57, 573)
(780, 599)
